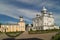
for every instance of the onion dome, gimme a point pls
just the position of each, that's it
(29, 25)
(37, 15)
(50, 13)
(44, 10)
(21, 16)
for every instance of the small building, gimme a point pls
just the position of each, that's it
(29, 27)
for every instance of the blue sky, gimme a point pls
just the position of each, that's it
(28, 9)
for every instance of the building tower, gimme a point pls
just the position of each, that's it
(22, 24)
(44, 13)
(51, 19)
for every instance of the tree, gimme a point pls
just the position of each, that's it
(26, 25)
(32, 25)
(0, 25)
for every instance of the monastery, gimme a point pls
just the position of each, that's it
(45, 21)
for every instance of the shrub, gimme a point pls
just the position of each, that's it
(56, 37)
(13, 34)
(43, 31)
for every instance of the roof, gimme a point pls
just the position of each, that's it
(9, 24)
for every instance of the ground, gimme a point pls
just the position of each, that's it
(25, 35)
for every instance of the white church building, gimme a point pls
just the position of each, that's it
(44, 21)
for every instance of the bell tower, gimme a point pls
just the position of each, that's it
(21, 23)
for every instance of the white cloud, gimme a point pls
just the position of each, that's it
(15, 12)
(28, 13)
(30, 1)
(8, 10)
(39, 3)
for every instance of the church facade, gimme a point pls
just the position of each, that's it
(44, 21)
(20, 26)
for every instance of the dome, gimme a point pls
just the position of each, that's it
(44, 9)
(37, 14)
(29, 25)
(21, 16)
(50, 13)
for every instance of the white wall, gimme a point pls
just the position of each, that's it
(56, 27)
